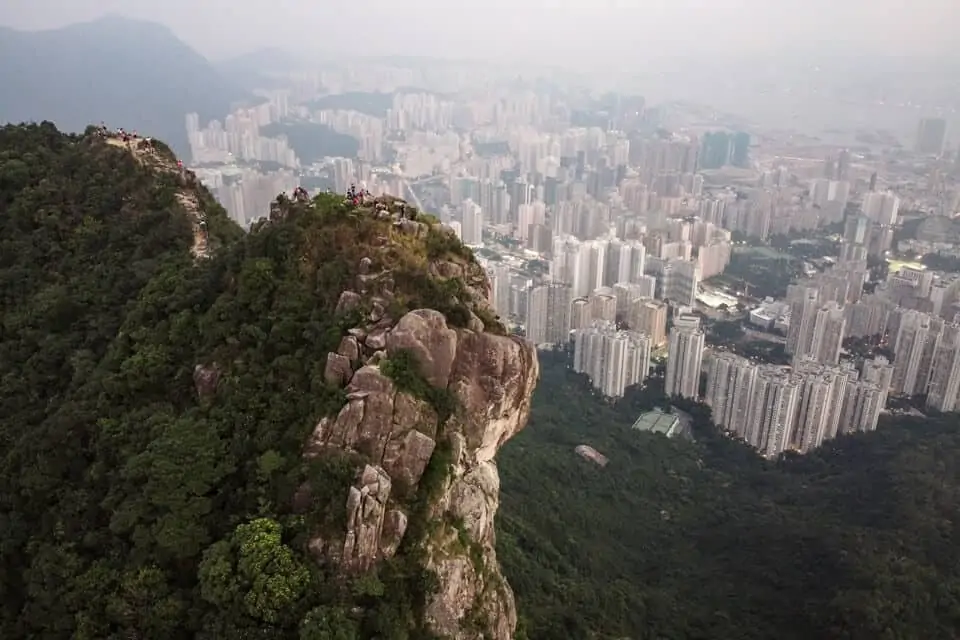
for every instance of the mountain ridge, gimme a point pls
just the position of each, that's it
(292, 435)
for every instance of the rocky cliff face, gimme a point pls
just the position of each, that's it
(431, 397)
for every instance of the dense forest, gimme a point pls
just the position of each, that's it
(132, 506)
(132, 503)
(675, 540)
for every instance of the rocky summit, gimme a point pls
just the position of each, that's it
(207, 433)
(425, 392)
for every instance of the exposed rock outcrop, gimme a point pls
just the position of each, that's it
(205, 380)
(427, 395)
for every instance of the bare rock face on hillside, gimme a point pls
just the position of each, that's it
(439, 445)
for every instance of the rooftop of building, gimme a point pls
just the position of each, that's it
(657, 421)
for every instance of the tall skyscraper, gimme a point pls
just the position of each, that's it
(500, 276)
(740, 156)
(681, 282)
(914, 349)
(862, 405)
(843, 165)
(829, 168)
(777, 408)
(472, 223)
(856, 230)
(684, 358)
(881, 208)
(828, 334)
(931, 136)
(716, 150)
(566, 255)
(729, 385)
(649, 316)
(773, 409)
(612, 359)
(880, 372)
(804, 301)
(548, 314)
(944, 387)
(819, 405)
(816, 328)
(617, 267)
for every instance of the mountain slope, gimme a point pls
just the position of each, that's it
(127, 73)
(289, 434)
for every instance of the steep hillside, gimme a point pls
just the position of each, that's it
(127, 73)
(857, 541)
(207, 434)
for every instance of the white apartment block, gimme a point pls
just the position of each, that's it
(685, 357)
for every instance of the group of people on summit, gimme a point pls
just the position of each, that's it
(120, 132)
(357, 196)
(129, 138)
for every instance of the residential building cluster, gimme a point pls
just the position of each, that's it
(238, 137)
(780, 408)
(246, 193)
(915, 313)
(613, 359)
(598, 227)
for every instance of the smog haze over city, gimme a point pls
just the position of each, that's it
(730, 229)
(771, 61)
(606, 32)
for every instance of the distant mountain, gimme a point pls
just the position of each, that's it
(127, 73)
(256, 69)
(266, 60)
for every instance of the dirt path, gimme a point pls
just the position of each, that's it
(187, 198)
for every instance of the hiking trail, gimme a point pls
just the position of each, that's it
(147, 154)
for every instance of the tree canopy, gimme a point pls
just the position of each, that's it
(131, 505)
(673, 539)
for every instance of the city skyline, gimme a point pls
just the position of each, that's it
(607, 225)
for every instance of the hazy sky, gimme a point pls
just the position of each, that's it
(561, 30)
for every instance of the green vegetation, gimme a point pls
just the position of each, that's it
(724, 331)
(808, 246)
(866, 347)
(941, 262)
(312, 141)
(765, 271)
(706, 540)
(403, 369)
(442, 245)
(134, 502)
(762, 351)
(909, 226)
(730, 334)
(767, 268)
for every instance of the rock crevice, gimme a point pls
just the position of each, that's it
(417, 388)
